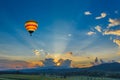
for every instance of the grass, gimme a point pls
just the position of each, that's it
(41, 77)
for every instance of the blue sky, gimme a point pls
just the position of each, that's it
(88, 28)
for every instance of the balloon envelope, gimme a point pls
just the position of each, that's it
(31, 26)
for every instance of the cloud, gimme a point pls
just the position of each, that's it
(69, 53)
(36, 63)
(115, 32)
(98, 28)
(13, 64)
(41, 53)
(113, 22)
(117, 41)
(102, 15)
(91, 33)
(87, 13)
(41, 50)
(37, 52)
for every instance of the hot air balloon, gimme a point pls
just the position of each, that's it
(31, 26)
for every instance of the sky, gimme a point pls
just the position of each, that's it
(87, 28)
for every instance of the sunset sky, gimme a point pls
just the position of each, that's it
(87, 28)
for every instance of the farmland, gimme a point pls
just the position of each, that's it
(43, 77)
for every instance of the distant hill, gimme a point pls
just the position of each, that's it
(112, 67)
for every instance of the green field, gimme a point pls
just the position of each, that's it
(40, 77)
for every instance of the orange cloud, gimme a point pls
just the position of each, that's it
(113, 22)
(36, 63)
(115, 32)
(117, 41)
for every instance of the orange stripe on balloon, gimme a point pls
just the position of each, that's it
(30, 27)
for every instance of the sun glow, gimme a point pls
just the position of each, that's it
(58, 64)
(60, 38)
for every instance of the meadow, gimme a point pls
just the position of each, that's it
(42, 77)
